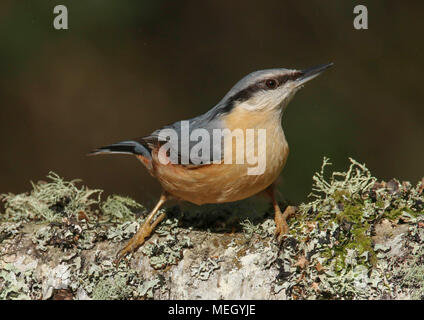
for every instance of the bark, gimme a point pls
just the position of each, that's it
(212, 266)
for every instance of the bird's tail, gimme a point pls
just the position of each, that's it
(124, 147)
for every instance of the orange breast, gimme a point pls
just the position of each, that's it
(217, 183)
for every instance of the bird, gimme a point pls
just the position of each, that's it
(254, 105)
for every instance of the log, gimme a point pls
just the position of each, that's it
(359, 239)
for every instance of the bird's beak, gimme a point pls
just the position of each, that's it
(311, 73)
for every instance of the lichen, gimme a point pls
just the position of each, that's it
(19, 283)
(335, 231)
(264, 230)
(204, 270)
(50, 201)
(69, 219)
(9, 229)
(168, 248)
(356, 238)
(329, 251)
(106, 281)
(111, 288)
(119, 208)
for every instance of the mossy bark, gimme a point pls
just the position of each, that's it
(215, 266)
(359, 239)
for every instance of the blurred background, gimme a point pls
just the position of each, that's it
(125, 68)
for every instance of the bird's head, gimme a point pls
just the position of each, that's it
(267, 90)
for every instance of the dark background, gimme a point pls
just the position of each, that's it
(125, 68)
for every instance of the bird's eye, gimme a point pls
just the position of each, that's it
(271, 83)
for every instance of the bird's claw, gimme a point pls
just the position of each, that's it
(122, 254)
(281, 226)
(281, 230)
(135, 242)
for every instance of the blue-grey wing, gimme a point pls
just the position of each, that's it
(197, 141)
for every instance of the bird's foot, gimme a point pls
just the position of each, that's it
(144, 231)
(135, 242)
(281, 225)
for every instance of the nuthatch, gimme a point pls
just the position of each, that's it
(256, 102)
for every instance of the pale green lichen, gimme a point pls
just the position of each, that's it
(414, 277)
(50, 201)
(264, 230)
(119, 208)
(168, 248)
(148, 288)
(19, 284)
(409, 273)
(205, 269)
(121, 231)
(112, 288)
(341, 185)
(328, 253)
(335, 231)
(9, 229)
(108, 282)
(71, 222)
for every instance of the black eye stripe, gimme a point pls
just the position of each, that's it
(248, 92)
(280, 80)
(293, 76)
